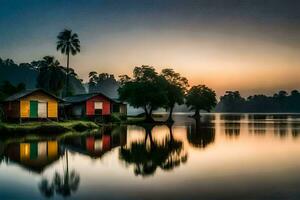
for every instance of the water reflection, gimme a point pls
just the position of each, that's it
(34, 156)
(63, 184)
(295, 129)
(96, 145)
(150, 154)
(232, 124)
(201, 134)
(111, 159)
(257, 124)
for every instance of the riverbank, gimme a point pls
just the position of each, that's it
(9, 129)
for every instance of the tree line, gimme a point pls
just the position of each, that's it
(281, 101)
(51, 76)
(150, 90)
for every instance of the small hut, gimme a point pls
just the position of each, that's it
(92, 105)
(31, 104)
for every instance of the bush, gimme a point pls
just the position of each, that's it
(117, 117)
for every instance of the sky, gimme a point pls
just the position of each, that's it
(248, 45)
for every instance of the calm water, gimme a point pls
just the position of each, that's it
(223, 157)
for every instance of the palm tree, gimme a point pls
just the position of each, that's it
(50, 61)
(67, 43)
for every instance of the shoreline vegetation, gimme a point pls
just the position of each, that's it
(45, 128)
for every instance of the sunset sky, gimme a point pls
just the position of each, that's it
(247, 45)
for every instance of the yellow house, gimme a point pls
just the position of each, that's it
(32, 104)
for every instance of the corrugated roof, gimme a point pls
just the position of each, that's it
(24, 93)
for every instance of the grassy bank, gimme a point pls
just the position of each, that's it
(8, 129)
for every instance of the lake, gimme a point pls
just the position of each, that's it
(225, 156)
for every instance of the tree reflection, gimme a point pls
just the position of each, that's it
(63, 184)
(232, 124)
(166, 155)
(201, 134)
(46, 188)
(295, 126)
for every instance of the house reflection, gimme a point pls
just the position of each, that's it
(33, 156)
(96, 145)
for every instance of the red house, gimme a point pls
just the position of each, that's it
(92, 105)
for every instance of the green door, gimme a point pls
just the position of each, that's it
(33, 109)
(33, 151)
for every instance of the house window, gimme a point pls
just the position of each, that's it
(98, 108)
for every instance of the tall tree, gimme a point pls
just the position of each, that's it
(176, 87)
(199, 98)
(50, 75)
(145, 90)
(67, 43)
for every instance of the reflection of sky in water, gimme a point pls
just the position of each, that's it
(259, 160)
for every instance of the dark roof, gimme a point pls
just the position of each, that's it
(25, 93)
(84, 97)
(116, 100)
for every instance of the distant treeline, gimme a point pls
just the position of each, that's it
(279, 102)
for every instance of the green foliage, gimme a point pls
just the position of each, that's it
(232, 100)
(95, 80)
(279, 102)
(68, 42)
(7, 89)
(46, 127)
(145, 90)
(176, 87)
(51, 77)
(117, 117)
(201, 97)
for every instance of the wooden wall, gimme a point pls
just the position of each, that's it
(90, 109)
(12, 109)
(52, 104)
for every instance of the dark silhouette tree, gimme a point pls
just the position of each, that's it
(68, 43)
(7, 89)
(279, 102)
(95, 80)
(145, 90)
(176, 87)
(232, 102)
(199, 98)
(50, 75)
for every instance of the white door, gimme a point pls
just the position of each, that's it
(42, 109)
